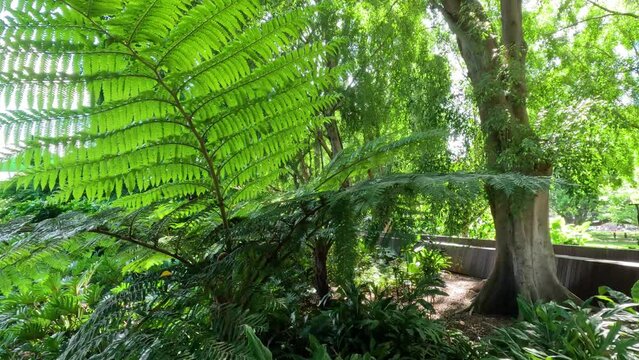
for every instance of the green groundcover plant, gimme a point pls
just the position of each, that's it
(604, 327)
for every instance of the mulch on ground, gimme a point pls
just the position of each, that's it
(453, 309)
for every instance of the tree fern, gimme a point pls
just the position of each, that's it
(199, 310)
(157, 100)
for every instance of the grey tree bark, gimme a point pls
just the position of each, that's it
(525, 263)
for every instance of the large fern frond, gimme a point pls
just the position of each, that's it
(148, 100)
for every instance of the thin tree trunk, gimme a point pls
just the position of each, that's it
(332, 132)
(323, 247)
(304, 172)
(320, 257)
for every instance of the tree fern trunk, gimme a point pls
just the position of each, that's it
(320, 257)
(323, 247)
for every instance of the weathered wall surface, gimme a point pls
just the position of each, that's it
(581, 269)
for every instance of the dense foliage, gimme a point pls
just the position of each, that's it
(608, 331)
(568, 234)
(244, 179)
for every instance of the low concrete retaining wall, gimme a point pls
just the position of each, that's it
(581, 269)
(579, 251)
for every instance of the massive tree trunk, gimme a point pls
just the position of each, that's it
(525, 262)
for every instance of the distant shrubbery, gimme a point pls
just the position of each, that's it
(568, 234)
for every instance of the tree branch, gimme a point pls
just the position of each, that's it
(598, 17)
(127, 238)
(320, 139)
(613, 12)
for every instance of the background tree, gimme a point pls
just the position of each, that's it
(393, 85)
(582, 71)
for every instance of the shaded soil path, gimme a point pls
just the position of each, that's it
(453, 308)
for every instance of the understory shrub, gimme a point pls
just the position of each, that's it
(388, 317)
(604, 327)
(373, 323)
(568, 234)
(411, 275)
(38, 317)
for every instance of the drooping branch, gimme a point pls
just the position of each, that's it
(576, 23)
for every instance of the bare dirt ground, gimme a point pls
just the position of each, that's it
(453, 308)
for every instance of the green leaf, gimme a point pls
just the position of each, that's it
(318, 350)
(634, 292)
(256, 348)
